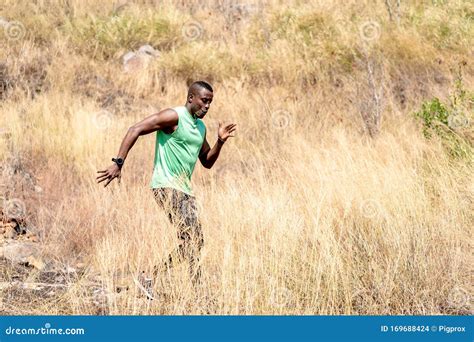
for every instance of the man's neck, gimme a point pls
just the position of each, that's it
(189, 111)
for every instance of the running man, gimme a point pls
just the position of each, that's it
(180, 141)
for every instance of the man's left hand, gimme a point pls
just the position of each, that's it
(225, 130)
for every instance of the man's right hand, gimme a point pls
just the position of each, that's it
(109, 174)
(167, 118)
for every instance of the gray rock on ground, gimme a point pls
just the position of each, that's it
(20, 252)
(134, 61)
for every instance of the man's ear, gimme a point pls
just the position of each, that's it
(190, 97)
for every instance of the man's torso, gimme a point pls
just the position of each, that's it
(176, 152)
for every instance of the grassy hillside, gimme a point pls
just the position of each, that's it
(347, 190)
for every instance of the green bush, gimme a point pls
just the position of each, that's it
(450, 122)
(435, 117)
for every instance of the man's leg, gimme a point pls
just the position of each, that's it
(165, 199)
(190, 233)
(183, 214)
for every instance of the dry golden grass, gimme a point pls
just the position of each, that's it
(315, 207)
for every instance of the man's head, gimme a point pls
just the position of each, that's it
(199, 100)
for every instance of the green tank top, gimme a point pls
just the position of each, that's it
(176, 153)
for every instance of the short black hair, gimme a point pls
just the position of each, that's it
(199, 84)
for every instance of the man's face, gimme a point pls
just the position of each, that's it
(200, 102)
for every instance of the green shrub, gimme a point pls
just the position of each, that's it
(450, 122)
(434, 115)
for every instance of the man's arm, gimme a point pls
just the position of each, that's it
(208, 155)
(167, 118)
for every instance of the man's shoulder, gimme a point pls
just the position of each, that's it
(170, 113)
(178, 109)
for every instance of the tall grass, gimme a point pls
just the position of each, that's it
(304, 212)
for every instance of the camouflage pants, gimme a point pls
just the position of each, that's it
(183, 214)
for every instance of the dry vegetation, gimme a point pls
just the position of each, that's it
(330, 199)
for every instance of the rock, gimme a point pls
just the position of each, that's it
(134, 61)
(32, 238)
(128, 56)
(9, 224)
(36, 262)
(16, 231)
(10, 231)
(21, 230)
(19, 252)
(148, 50)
